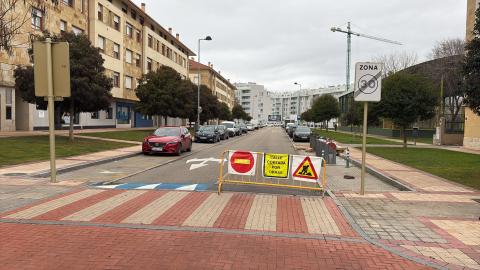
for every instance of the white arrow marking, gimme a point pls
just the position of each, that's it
(202, 162)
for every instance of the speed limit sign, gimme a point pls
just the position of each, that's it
(368, 82)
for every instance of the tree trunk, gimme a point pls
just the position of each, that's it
(404, 134)
(166, 121)
(72, 118)
(326, 125)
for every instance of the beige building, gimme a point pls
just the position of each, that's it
(131, 42)
(472, 121)
(221, 87)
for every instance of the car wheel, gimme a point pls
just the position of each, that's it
(179, 150)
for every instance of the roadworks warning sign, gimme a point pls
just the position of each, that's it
(276, 165)
(306, 168)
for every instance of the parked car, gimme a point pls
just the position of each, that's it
(207, 133)
(232, 128)
(302, 133)
(288, 125)
(243, 128)
(250, 127)
(291, 130)
(171, 140)
(222, 131)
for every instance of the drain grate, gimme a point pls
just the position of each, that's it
(15, 174)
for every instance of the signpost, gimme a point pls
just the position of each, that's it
(368, 88)
(242, 163)
(52, 81)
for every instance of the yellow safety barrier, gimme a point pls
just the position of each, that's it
(259, 179)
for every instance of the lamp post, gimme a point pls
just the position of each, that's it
(298, 102)
(207, 38)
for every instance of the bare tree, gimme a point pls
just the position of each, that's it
(448, 47)
(396, 62)
(14, 14)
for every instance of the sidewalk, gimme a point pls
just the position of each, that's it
(439, 222)
(64, 132)
(140, 229)
(37, 168)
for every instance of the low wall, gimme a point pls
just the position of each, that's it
(422, 133)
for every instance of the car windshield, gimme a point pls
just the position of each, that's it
(221, 127)
(167, 132)
(207, 128)
(303, 129)
(228, 125)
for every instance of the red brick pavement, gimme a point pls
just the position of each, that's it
(235, 214)
(177, 214)
(290, 216)
(25, 246)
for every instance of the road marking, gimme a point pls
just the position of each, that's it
(52, 205)
(202, 162)
(263, 214)
(318, 218)
(153, 210)
(208, 212)
(104, 206)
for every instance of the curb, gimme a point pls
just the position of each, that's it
(46, 174)
(387, 179)
(359, 230)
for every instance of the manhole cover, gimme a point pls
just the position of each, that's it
(348, 177)
(15, 174)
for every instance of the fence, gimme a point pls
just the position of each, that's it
(272, 170)
(325, 149)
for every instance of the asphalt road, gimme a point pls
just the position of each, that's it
(184, 169)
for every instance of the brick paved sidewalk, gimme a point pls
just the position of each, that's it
(137, 229)
(439, 222)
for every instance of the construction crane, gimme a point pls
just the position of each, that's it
(349, 33)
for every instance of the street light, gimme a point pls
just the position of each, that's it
(298, 101)
(207, 38)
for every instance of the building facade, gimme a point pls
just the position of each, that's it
(471, 137)
(255, 100)
(131, 42)
(220, 86)
(290, 105)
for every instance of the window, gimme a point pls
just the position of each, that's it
(8, 103)
(116, 22)
(77, 30)
(101, 43)
(116, 51)
(94, 115)
(124, 8)
(116, 79)
(129, 30)
(133, 14)
(109, 113)
(139, 36)
(128, 56)
(150, 41)
(149, 64)
(158, 46)
(128, 82)
(63, 26)
(37, 19)
(163, 49)
(68, 2)
(138, 61)
(100, 12)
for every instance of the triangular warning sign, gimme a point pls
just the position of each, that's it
(306, 170)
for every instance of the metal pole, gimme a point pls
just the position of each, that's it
(51, 113)
(364, 147)
(349, 54)
(198, 90)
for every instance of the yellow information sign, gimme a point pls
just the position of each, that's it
(276, 165)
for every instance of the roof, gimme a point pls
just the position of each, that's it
(145, 14)
(196, 66)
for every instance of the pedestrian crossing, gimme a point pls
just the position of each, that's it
(239, 211)
(159, 186)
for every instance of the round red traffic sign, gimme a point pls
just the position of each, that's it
(242, 162)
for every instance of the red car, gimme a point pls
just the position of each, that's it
(172, 140)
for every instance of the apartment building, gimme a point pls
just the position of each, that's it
(255, 100)
(220, 86)
(290, 105)
(131, 42)
(471, 137)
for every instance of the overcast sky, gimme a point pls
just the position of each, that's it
(279, 42)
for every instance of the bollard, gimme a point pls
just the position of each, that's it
(323, 153)
(347, 154)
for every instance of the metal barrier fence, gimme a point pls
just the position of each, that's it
(325, 149)
(272, 170)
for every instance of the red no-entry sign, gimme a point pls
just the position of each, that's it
(242, 163)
